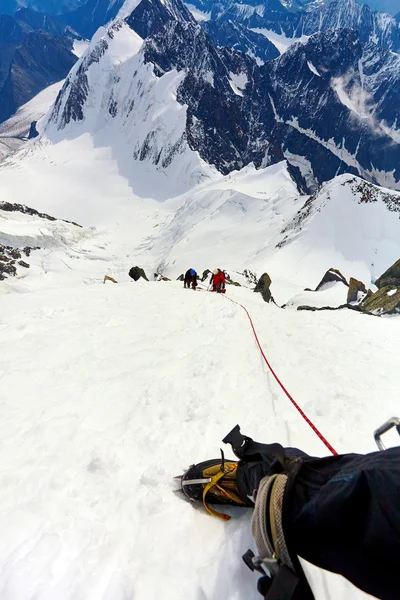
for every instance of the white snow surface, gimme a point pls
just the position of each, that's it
(313, 69)
(107, 391)
(14, 131)
(332, 294)
(80, 47)
(280, 40)
(238, 82)
(198, 14)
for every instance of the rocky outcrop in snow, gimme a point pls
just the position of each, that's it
(264, 287)
(390, 277)
(24, 230)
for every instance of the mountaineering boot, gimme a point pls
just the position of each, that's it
(213, 481)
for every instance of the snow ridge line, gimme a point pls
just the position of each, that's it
(292, 400)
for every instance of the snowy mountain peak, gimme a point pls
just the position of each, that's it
(114, 95)
(151, 15)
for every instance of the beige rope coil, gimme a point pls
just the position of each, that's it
(267, 517)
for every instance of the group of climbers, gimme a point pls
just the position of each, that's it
(217, 280)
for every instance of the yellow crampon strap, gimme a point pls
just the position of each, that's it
(214, 482)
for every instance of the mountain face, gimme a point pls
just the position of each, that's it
(335, 14)
(328, 106)
(30, 20)
(34, 53)
(240, 38)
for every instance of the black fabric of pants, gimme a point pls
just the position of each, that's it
(341, 513)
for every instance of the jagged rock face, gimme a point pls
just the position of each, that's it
(335, 14)
(150, 16)
(221, 134)
(280, 7)
(285, 108)
(334, 104)
(352, 15)
(390, 277)
(231, 35)
(356, 287)
(385, 301)
(331, 276)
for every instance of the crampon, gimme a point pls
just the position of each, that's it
(212, 482)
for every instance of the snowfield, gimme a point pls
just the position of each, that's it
(107, 391)
(14, 132)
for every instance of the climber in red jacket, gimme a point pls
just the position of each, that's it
(218, 281)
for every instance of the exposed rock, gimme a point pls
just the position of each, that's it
(231, 282)
(136, 273)
(385, 301)
(15, 253)
(26, 210)
(181, 277)
(356, 308)
(4, 258)
(317, 308)
(28, 249)
(263, 287)
(355, 286)
(108, 278)
(33, 132)
(331, 276)
(7, 268)
(22, 263)
(250, 276)
(390, 277)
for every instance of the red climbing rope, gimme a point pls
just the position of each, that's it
(310, 423)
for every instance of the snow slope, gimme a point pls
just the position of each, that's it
(280, 40)
(109, 391)
(14, 131)
(252, 219)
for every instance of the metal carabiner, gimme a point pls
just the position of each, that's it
(393, 422)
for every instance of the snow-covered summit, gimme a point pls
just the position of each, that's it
(113, 95)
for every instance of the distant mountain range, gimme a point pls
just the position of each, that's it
(327, 106)
(36, 51)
